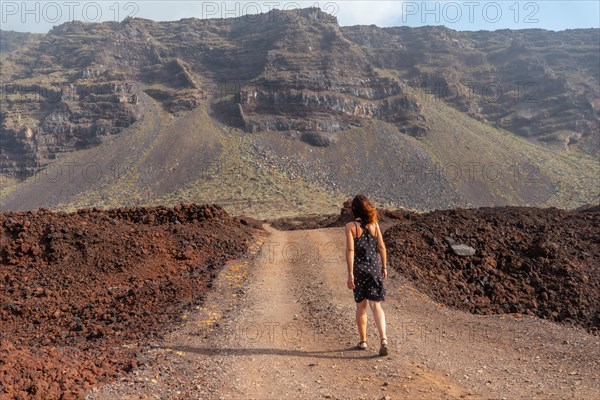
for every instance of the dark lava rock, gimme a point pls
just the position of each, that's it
(545, 263)
(121, 277)
(319, 139)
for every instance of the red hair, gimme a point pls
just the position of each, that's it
(363, 208)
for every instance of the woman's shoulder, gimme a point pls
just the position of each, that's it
(351, 223)
(372, 227)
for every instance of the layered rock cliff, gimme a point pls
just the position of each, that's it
(535, 83)
(293, 71)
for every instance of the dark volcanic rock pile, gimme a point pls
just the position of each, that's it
(542, 262)
(81, 293)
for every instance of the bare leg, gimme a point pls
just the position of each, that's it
(361, 319)
(379, 317)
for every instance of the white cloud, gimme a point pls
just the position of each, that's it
(348, 12)
(380, 13)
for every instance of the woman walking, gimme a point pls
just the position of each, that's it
(366, 271)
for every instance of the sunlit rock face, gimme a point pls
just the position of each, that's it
(289, 71)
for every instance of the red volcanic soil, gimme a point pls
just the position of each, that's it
(81, 293)
(541, 262)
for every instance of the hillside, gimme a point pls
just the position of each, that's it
(296, 113)
(539, 84)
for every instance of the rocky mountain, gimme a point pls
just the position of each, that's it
(320, 89)
(533, 82)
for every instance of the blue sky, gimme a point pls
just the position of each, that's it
(40, 16)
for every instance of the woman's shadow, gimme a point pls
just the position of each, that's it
(331, 354)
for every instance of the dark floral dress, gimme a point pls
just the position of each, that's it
(368, 278)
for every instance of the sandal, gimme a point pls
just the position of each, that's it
(383, 350)
(362, 345)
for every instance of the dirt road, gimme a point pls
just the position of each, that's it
(281, 325)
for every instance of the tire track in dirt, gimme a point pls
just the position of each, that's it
(281, 325)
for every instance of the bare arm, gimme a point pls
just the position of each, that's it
(382, 252)
(350, 256)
